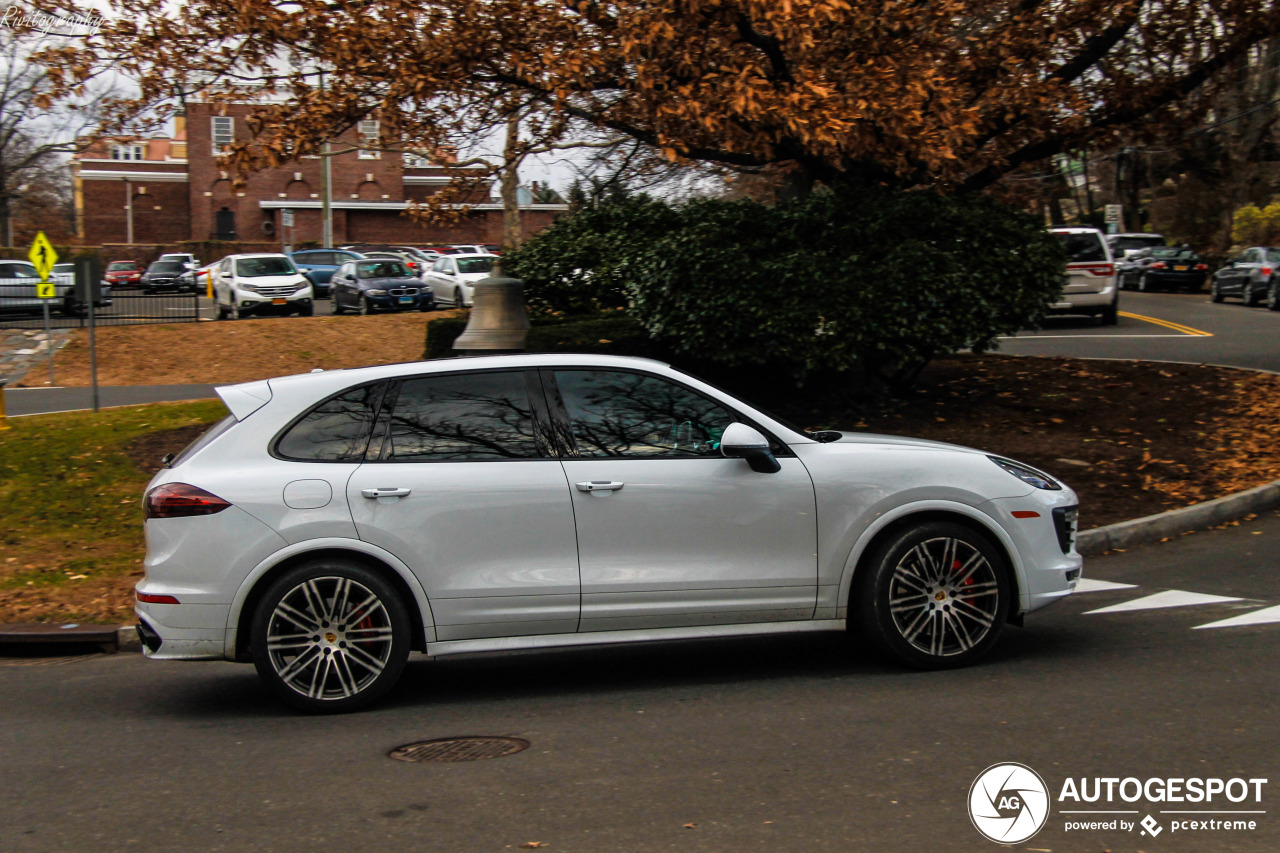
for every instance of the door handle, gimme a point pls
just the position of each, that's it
(599, 486)
(374, 494)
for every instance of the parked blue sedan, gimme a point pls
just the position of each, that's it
(369, 285)
(319, 265)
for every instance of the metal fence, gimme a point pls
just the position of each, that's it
(127, 307)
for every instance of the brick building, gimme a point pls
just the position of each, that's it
(170, 189)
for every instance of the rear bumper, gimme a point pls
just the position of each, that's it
(183, 631)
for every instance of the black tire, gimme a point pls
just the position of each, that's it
(1215, 293)
(363, 308)
(1110, 315)
(307, 310)
(319, 667)
(906, 603)
(335, 305)
(1250, 298)
(233, 311)
(1143, 285)
(220, 312)
(1273, 297)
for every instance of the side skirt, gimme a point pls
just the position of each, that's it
(605, 638)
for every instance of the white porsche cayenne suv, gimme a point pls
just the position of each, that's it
(336, 521)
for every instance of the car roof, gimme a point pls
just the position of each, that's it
(258, 255)
(1074, 229)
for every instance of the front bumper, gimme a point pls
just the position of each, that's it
(401, 303)
(1049, 571)
(252, 301)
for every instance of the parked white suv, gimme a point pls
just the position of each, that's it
(260, 284)
(334, 521)
(1092, 285)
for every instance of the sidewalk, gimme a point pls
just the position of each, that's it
(26, 351)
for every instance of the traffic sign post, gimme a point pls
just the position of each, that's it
(1114, 217)
(43, 257)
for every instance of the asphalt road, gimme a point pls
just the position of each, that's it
(1163, 327)
(782, 744)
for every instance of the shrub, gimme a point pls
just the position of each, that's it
(613, 334)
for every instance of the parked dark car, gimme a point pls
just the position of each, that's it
(319, 265)
(122, 274)
(168, 275)
(369, 285)
(1248, 277)
(1164, 268)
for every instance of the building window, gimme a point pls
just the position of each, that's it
(128, 152)
(368, 133)
(224, 133)
(415, 161)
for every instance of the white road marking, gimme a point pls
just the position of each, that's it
(1257, 617)
(1168, 598)
(1091, 585)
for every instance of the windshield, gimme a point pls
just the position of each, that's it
(259, 267)
(382, 269)
(124, 265)
(1082, 246)
(18, 269)
(166, 266)
(472, 265)
(1167, 253)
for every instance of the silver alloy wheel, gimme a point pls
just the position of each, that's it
(944, 597)
(329, 638)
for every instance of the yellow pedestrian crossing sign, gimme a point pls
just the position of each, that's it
(43, 257)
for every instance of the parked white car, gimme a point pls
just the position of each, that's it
(260, 284)
(18, 280)
(185, 258)
(336, 521)
(452, 278)
(1092, 283)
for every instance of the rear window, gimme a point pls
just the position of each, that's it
(1124, 244)
(123, 265)
(206, 438)
(1082, 246)
(1273, 255)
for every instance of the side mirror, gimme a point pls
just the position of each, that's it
(743, 442)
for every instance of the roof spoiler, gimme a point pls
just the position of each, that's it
(246, 398)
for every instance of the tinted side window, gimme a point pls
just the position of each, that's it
(472, 416)
(337, 430)
(1083, 246)
(630, 414)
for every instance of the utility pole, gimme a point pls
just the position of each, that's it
(326, 184)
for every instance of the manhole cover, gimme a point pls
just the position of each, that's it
(451, 749)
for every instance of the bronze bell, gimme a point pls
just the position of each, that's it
(499, 321)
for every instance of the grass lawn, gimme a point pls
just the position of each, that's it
(70, 497)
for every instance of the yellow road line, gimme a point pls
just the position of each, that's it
(1177, 327)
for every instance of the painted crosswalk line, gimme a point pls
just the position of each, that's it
(1257, 617)
(1091, 585)
(1168, 598)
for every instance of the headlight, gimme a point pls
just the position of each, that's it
(1027, 474)
(374, 292)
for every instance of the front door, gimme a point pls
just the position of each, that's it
(670, 532)
(463, 488)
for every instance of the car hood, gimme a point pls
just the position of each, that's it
(384, 283)
(296, 279)
(470, 277)
(896, 440)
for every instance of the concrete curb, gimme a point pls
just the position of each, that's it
(127, 638)
(1153, 528)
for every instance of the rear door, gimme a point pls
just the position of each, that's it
(462, 485)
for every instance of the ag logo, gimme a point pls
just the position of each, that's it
(1008, 803)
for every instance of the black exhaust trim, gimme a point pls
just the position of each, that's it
(148, 636)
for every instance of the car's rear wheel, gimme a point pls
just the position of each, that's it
(1273, 297)
(934, 596)
(330, 636)
(1110, 315)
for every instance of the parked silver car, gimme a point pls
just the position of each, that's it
(1249, 277)
(337, 520)
(18, 281)
(1092, 284)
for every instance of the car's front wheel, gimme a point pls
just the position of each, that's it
(934, 596)
(1215, 292)
(330, 636)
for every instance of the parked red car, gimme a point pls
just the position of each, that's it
(124, 274)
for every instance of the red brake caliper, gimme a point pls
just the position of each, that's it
(956, 566)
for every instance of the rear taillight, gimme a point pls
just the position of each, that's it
(1202, 266)
(1265, 270)
(1093, 269)
(179, 500)
(1158, 265)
